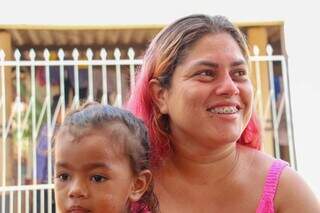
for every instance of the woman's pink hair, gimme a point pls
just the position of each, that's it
(164, 53)
(142, 105)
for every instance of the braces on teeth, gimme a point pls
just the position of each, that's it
(225, 110)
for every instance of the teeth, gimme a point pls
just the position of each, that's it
(224, 110)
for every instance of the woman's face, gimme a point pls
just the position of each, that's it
(210, 98)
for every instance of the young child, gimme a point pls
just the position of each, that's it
(101, 162)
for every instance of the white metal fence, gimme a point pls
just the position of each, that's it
(29, 92)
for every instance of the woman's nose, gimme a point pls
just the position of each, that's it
(227, 86)
(78, 189)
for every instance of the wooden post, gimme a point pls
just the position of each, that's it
(258, 36)
(5, 45)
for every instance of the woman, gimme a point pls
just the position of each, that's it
(196, 98)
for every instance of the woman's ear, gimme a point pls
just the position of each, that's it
(159, 95)
(140, 185)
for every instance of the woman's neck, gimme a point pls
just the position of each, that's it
(203, 154)
(194, 165)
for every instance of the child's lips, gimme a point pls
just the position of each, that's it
(78, 209)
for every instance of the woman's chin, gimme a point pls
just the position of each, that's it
(226, 139)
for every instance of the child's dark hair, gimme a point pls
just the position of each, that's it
(93, 115)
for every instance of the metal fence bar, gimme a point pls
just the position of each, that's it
(131, 69)
(62, 86)
(11, 201)
(26, 187)
(49, 128)
(75, 102)
(103, 55)
(19, 128)
(280, 108)
(117, 55)
(109, 62)
(3, 200)
(272, 99)
(42, 200)
(259, 89)
(4, 114)
(288, 113)
(27, 201)
(90, 75)
(49, 203)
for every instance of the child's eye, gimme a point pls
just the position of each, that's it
(98, 178)
(63, 177)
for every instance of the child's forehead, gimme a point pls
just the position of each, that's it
(90, 150)
(95, 142)
(107, 129)
(113, 135)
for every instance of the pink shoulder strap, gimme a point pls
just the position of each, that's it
(266, 204)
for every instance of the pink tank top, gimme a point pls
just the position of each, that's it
(266, 204)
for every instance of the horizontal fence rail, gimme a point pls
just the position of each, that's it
(37, 93)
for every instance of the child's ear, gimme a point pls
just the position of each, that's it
(140, 185)
(159, 95)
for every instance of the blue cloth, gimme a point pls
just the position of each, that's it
(42, 155)
(277, 86)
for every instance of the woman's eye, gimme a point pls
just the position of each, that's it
(206, 73)
(98, 178)
(63, 177)
(240, 73)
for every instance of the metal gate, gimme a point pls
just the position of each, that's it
(37, 91)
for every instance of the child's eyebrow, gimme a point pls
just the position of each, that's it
(87, 166)
(97, 165)
(62, 164)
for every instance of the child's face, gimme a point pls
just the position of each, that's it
(92, 175)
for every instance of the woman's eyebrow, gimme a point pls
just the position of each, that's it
(216, 65)
(205, 63)
(237, 63)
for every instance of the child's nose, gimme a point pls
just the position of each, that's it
(78, 189)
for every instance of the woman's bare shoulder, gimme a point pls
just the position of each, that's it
(255, 159)
(294, 194)
(254, 163)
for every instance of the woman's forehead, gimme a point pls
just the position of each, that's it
(213, 50)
